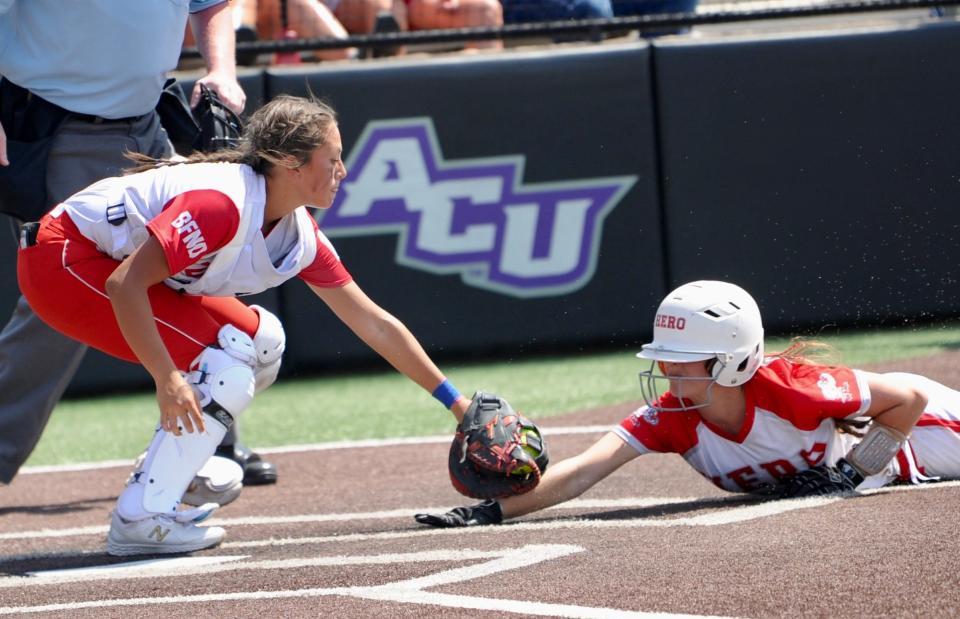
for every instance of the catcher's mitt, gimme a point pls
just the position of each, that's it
(496, 452)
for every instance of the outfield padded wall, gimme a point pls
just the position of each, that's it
(822, 173)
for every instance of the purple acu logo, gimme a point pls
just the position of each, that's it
(474, 217)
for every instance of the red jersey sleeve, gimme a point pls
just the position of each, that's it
(663, 432)
(326, 270)
(806, 394)
(194, 224)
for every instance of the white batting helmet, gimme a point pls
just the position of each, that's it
(709, 320)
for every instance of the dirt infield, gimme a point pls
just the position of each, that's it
(336, 538)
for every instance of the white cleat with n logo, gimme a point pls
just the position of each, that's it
(160, 534)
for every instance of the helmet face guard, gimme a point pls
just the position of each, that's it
(654, 383)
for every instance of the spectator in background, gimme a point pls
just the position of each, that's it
(307, 19)
(101, 64)
(527, 11)
(443, 14)
(530, 11)
(624, 8)
(261, 20)
(339, 18)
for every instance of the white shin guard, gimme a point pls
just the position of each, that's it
(224, 380)
(170, 465)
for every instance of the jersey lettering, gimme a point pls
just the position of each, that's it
(815, 454)
(184, 224)
(744, 477)
(779, 469)
(666, 321)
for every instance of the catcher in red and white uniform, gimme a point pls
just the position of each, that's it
(778, 424)
(147, 267)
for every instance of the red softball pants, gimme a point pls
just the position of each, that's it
(63, 276)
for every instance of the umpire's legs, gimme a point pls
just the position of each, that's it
(36, 362)
(36, 365)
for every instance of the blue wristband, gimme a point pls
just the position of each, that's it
(446, 393)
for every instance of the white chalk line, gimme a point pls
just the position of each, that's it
(726, 516)
(353, 444)
(168, 566)
(403, 513)
(187, 566)
(638, 502)
(408, 591)
(730, 516)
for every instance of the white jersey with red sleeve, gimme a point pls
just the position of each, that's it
(208, 218)
(326, 270)
(788, 426)
(933, 449)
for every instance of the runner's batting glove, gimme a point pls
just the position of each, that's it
(822, 480)
(488, 512)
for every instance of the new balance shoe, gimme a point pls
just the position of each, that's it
(160, 534)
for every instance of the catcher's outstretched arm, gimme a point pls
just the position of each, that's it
(568, 479)
(386, 335)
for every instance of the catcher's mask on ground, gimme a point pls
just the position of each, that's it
(708, 321)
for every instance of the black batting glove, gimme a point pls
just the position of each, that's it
(822, 480)
(488, 512)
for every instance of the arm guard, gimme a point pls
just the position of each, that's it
(876, 450)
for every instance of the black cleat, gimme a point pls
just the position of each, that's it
(256, 470)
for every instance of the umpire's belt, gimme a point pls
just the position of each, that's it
(100, 120)
(28, 234)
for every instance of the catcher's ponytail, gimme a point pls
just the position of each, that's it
(284, 132)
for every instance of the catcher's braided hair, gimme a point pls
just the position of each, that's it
(284, 132)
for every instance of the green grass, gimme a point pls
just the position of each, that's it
(385, 404)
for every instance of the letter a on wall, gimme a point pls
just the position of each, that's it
(474, 217)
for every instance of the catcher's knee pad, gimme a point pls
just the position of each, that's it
(269, 342)
(224, 377)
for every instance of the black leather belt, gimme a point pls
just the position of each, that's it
(100, 120)
(28, 234)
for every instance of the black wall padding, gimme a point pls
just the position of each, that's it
(820, 172)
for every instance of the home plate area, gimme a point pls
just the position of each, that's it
(652, 540)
